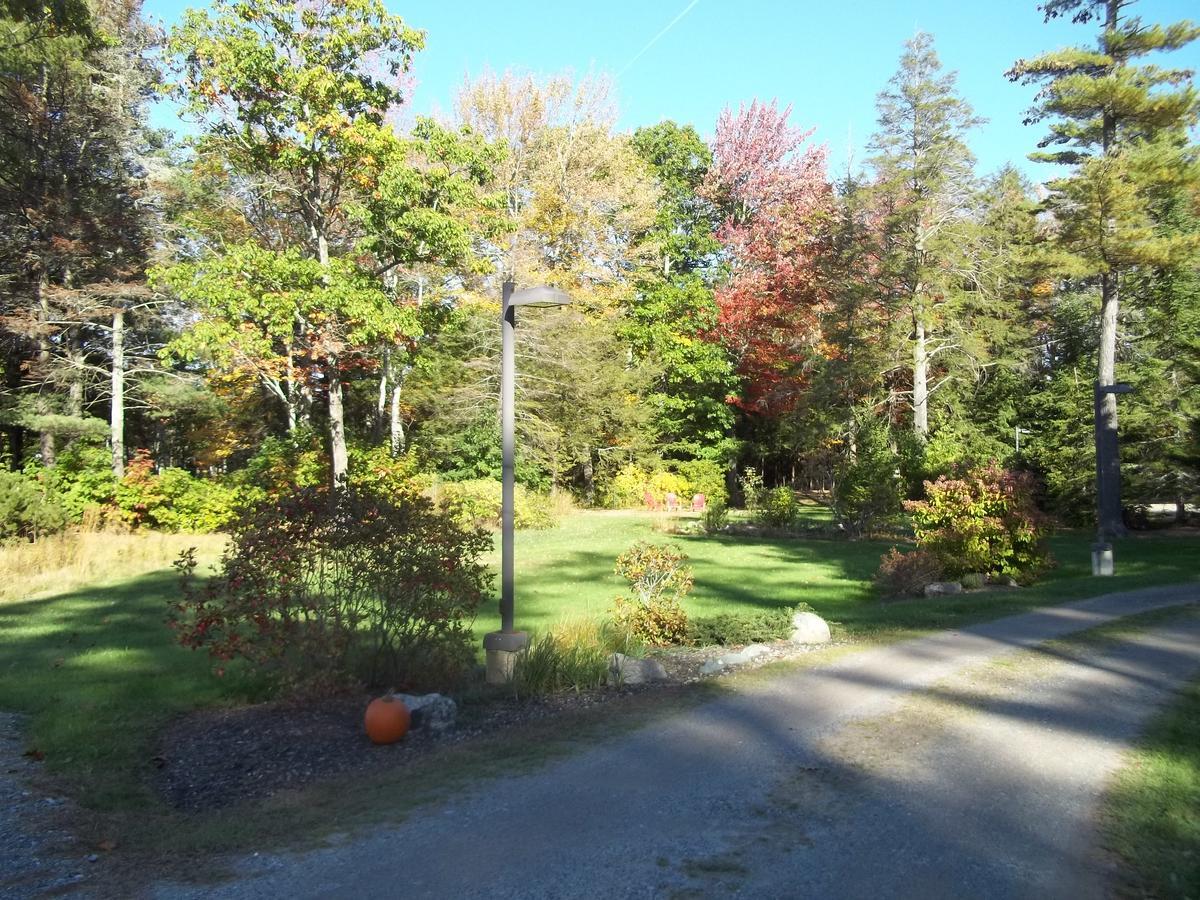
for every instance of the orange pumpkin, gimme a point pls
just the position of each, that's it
(387, 720)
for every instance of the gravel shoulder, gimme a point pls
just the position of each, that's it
(818, 778)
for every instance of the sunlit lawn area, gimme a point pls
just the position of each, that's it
(1153, 806)
(98, 673)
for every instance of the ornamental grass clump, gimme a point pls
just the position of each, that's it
(660, 581)
(326, 589)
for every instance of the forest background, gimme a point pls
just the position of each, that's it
(303, 285)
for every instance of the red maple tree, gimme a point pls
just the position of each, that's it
(775, 196)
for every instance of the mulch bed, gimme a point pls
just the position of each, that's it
(213, 758)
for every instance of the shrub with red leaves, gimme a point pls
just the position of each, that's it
(321, 590)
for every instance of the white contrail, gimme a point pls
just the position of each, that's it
(654, 40)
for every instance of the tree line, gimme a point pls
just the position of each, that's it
(310, 276)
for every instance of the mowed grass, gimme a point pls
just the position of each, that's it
(99, 675)
(1152, 809)
(568, 572)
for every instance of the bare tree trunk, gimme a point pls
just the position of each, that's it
(75, 389)
(382, 400)
(337, 422)
(293, 397)
(397, 425)
(117, 404)
(46, 437)
(920, 381)
(1108, 454)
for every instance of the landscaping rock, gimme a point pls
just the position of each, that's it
(631, 670)
(738, 657)
(942, 588)
(809, 628)
(432, 712)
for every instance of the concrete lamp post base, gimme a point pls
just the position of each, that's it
(501, 649)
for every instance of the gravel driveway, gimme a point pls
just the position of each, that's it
(953, 765)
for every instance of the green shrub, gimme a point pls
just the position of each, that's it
(320, 590)
(201, 505)
(985, 521)
(374, 469)
(779, 508)
(282, 466)
(660, 581)
(867, 491)
(906, 574)
(738, 629)
(27, 510)
(172, 499)
(81, 478)
(753, 488)
(477, 504)
(716, 516)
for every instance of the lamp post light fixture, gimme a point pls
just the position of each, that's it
(1108, 480)
(502, 646)
(1017, 432)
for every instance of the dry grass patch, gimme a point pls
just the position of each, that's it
(66, 561)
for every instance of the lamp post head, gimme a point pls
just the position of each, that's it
(541, 296)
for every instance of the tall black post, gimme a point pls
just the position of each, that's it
(508, 372)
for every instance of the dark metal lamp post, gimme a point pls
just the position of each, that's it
(1108, 480)
(502, 646)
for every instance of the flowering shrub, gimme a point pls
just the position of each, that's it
(985, 521)
(906, 574)
(660, 581)
(323, 589)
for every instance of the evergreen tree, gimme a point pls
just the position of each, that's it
(925, 174)
(1104, 112)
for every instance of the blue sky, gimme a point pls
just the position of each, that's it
(827, 60)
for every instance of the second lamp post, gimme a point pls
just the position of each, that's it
(502, 646)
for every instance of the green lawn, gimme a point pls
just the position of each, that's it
(1153, 807)
(568, 571)
(98, 674)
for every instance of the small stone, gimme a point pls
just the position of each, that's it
(712, 666)
(809, 628)
(942, 588)
(431, 712)
(746, 654)
(631, 670)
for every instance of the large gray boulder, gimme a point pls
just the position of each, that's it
(430, 712)
(809, 628)
(943, 588)
(631, 670)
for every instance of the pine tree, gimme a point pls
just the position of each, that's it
(925, 176)
(1104, 112)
